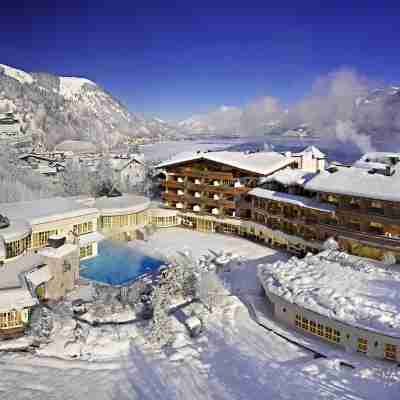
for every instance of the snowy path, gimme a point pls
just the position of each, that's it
(237, 360)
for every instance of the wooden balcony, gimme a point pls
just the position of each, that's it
(171, 184)
(172, 196)
(373, 238)
(195, 186)
(202, 174)
(369, 214)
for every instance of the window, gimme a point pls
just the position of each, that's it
(17, 247)
(41, 239)
(332, 199)
(328, 333)
(83, 228)
(316, 328)
(10, 319)
(390, 351)
(336, 336)
(362, 345)
(376, 227)
(86, 251)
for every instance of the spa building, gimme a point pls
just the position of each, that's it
(344, 300)
(43, 241)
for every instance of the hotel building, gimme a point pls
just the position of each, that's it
(290, 201)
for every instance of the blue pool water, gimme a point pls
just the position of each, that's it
(117, 264)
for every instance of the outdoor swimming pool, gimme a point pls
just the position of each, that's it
(118, 264)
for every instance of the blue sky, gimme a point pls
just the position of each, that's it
(172, 59)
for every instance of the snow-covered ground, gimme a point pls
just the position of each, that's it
(235, 358)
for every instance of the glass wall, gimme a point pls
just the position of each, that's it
(14, 249)
(119, 221)
(11, 319)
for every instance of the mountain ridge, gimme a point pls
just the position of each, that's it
(56, 108)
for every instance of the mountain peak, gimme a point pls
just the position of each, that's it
(70, 86)
(17, 74)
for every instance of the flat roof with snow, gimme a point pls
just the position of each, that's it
(10, 273)
(345, 288)
(292, 199)
(290, 176)
(262, 163)
(127, 203)
(357, 182)
(45, 210)
(17, 299)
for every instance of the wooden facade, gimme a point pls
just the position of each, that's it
(206, 187)
(364, 227)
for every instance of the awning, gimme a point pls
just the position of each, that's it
(39, 276)
(15, 299)
(90, 238)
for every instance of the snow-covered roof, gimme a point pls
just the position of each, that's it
(18, 229)
(262, 163)
(380, 157)
(120, 164)
(10, 272)
(15, 299)
(314, 151)
(39, 276)
(90, 237)
(369, 165)
(357, 182)
(46, 210)
(289, 177)
(292, 199)
(346, 288)
(58, 252)
(76, 146)
(124, 204)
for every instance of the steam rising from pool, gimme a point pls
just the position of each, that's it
(118, 264)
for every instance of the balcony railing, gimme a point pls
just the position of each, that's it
(205, 174)
(366, 236)
(173, 184)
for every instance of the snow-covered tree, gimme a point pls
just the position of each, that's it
(330, 244)
(389, 258)
(161, 328)
(103, 180)
(21, 184)
(75, 178)
(210, 289)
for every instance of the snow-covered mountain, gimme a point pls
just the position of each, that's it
(224, 120)
(378, 113)
(57, 108)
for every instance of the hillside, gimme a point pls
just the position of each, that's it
(56, 108)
